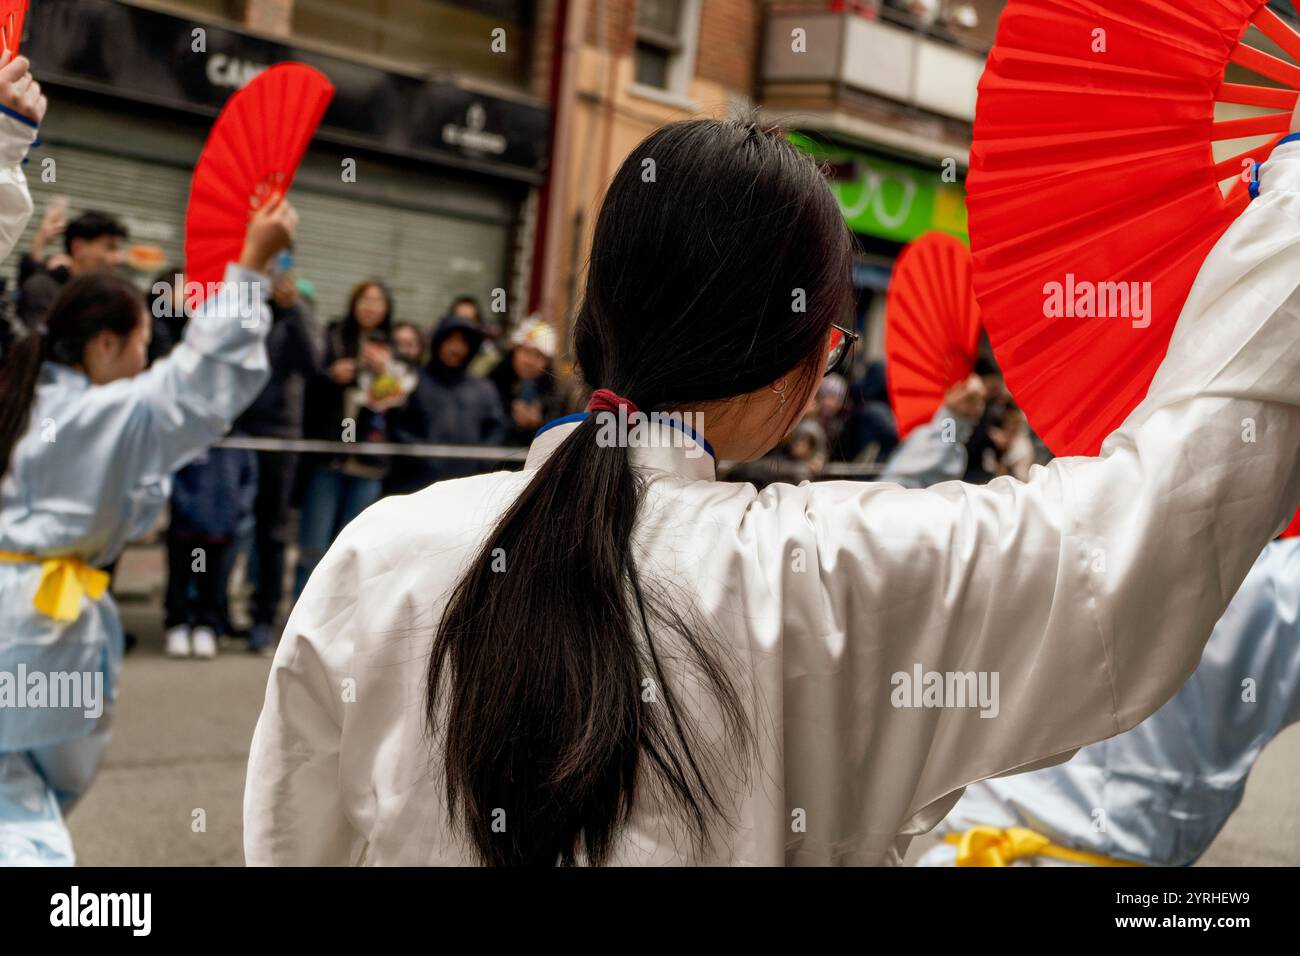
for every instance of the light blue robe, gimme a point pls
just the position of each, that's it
(1160, 793)
(92, 472)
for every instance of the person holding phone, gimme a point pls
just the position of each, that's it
(292, 348)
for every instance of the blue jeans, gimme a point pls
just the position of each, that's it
(331, 501)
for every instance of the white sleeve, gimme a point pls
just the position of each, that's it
(184, 402)
(140, 430)
(16, 138)
(1087, 592)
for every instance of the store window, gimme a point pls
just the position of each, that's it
(666, 36)
(427, 36)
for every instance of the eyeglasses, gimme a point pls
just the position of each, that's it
(841, 347)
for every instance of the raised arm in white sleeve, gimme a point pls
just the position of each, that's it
(1088, 591)
(16, 137)
(146, 427)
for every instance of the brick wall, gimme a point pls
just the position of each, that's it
(544, 52)
(615, 18)
(269, 16)
(729, 41)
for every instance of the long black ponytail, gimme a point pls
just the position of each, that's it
(20, 366)
(719, 261)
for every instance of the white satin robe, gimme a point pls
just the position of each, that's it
(1090, 590)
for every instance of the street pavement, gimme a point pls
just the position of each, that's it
(171, 789)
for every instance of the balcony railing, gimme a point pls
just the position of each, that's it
(839, 51)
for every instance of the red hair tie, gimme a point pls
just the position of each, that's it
(603, 400)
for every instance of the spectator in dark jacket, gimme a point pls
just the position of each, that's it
(209, 497)
(525, 382)
(37, 258)
(869, 432)
(449, 407)
(94, 241)
(167, 311)
(277, 412)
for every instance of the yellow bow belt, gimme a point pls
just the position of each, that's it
(990, 846)
(64, 581)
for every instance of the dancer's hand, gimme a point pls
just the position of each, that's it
(1295, 118)
(269, 232)
(967, 398)
(18, 90)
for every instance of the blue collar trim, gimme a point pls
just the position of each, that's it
(679, 425)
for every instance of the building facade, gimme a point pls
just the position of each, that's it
(627, 68)
(883, 91)
(426, 170)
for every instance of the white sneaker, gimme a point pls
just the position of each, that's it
(178, 641)
(205, 643)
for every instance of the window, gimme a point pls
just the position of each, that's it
(666, 32)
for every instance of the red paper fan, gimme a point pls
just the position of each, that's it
(932, 327)
(12, 14)
(1093, 177)
(251, 154)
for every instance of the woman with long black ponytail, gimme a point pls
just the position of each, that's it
(612, 658)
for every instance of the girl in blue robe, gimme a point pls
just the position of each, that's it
(88, 442)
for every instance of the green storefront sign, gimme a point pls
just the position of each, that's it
(889, 199)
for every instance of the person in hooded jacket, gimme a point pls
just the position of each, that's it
(293, 349)
(448, 406)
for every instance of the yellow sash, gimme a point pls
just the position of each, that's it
(64, 581)
(990, 846)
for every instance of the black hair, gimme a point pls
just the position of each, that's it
(719, 261)
(467, 300)
(352, 328)
(87, 306)
(91, 225)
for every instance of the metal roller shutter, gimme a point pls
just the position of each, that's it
(426, 258)
(148, 198)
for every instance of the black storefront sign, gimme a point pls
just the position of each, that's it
(149, 56)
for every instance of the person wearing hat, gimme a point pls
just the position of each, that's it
(525, 381)
(448, 406)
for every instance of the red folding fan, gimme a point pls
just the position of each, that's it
(932, 327)
(1094, 193)
(12, 14)
(251, 155)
